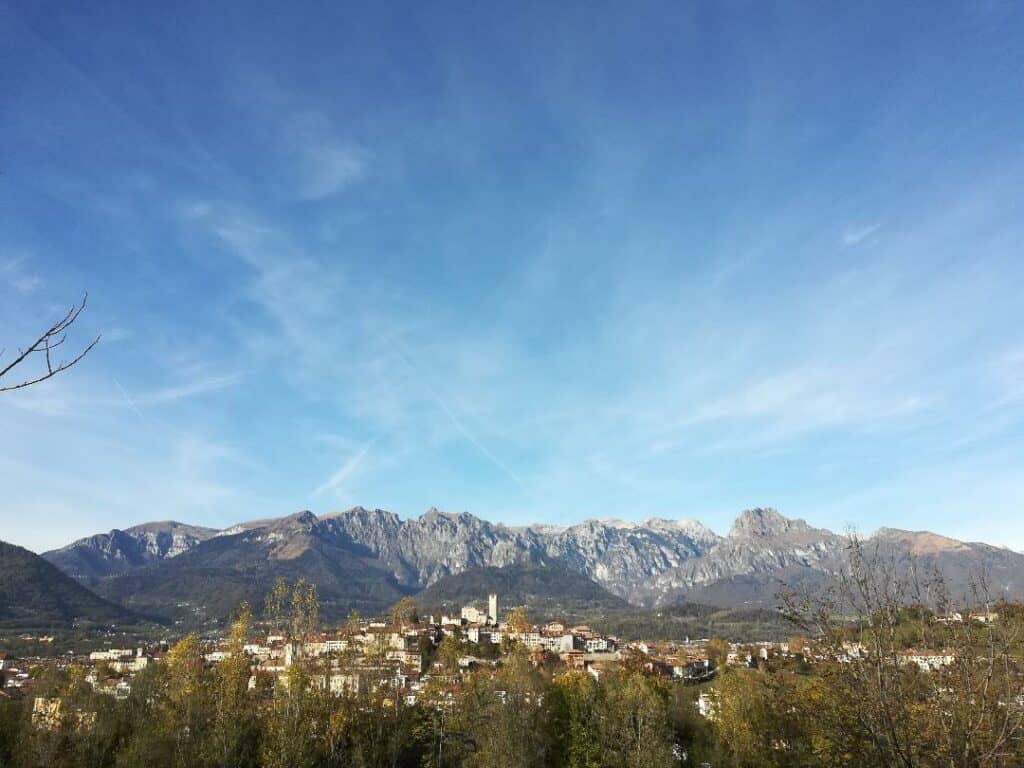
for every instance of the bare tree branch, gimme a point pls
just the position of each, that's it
(51, 338)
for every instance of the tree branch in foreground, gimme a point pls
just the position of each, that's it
(51, 338)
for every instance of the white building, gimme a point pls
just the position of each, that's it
(114, 654)
(473, 615)
(927, 661)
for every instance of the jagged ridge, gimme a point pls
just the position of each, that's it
(652, 563)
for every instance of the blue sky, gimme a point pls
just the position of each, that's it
(541, 264)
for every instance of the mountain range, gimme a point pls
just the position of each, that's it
(367, 559)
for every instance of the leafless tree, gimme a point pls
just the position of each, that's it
(915, 677)
(44, 347)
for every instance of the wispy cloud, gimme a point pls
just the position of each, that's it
(594, 314)
(17, 276)
(1008, 374)
(323, 162)
(346, 471)
(806, 399)
(26, 284)
(853, 236)
(458, 423)
(115, 334)
(51, 400)
(186, 390)
(327, 169)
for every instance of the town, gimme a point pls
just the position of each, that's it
(401, 652)
(479, 667)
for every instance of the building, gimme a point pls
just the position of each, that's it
(114, 654)
(473, 615)
(927, 661)
(492, 609)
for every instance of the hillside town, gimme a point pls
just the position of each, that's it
(401, 653)
(404, 653)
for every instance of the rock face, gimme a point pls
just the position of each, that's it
(763, 553)
(619, 556)
(364, 558)
(107, 554)
(211, 579)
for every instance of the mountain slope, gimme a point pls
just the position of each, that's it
(35, 594)
(544, 590)
(368, 559)
(214, 577)
(964, 566)
(107, 554)
(763, 553)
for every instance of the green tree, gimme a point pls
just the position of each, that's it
(575, 720)
(290, 723)
(187, 712)
(635, 729)
(235, 734)
(761, 720)
(13, 724)
(512, 705)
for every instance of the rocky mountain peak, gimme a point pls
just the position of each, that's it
(654, 562)
(364, 515)
(358, 510)
(103, 554)
(436, 514)
(299, 522)
(764, 522)
(693, 528)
